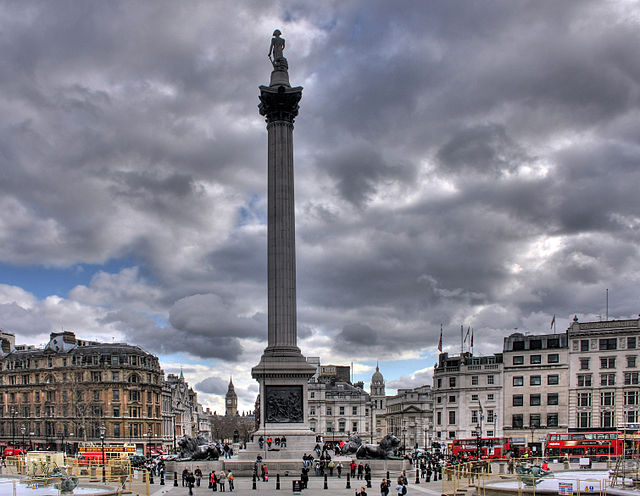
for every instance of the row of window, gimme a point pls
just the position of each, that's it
(630, 379)
(608, 398)
(95, 376)
(80, 411)
(536, 359)
(341, 410)
(475, 381)
(605, 344)
(608, 362)
(517, 420)
(607, 418)
(51, 396)
(535, 399)
(536, 380)
(113, 360)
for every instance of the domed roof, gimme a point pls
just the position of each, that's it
(377, 378)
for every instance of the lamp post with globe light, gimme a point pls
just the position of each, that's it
(102, 432)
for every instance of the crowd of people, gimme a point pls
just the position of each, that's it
(217, 481)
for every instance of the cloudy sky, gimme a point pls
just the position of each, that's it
(457, 163)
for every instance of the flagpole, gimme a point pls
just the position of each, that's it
(461, 340)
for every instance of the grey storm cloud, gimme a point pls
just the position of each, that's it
(455, 161)
(212, 385)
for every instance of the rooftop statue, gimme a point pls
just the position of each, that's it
(276, 48)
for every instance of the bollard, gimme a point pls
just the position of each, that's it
(388, 476)
(162, 478)
(417, 476)
(277, 482)
(150, 477)
(253, 486)
(348, 481)
(175, 479)
(326, 486)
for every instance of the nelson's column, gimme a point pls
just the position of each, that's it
(283, 373)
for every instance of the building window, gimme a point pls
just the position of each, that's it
(490, 417)
(584, 380)
(452, 382)
(490, 379)
(452, 417)
(452, 399)
(354, 426)
(552, 398)
(608, 379)
(116, 395)
(584, 345)
(631, 416)
(518, 360)
(631, 398)
(116, 411)
(474, 416)
(535, 380)
(354, 410)
(439, 399)
(553, 358)
(313, 395)
(553, 379)
(96, 395)
(329, 411)
(535, 359)
(608, 344)
(535, 344)
(607, 398)
(115, 376)
(341, 411)
(452, 434)
(518, 345)
(584, 419)
(474, 397)
(630, 378)
(517, 421)
(631, 343)
(518, 400)
(134, 395)
(552, 420)
(553, 343)
(606, 418)
(439, 418)
(490, 397)
(518, 380)
(608, 363)
(631, 362)
(474, 380)
(439, 383)
(534, 400)
(534, 420)
(312, 410)
(584, 364)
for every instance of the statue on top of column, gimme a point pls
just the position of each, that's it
(277, 49)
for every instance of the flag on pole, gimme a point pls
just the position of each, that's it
(440, 342)
(466, 336)
(553, 321)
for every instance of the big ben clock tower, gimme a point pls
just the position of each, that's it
(231, 400)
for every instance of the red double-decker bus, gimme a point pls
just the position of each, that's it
(490, 447)
(585, 444)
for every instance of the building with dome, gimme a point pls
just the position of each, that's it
(378, 404)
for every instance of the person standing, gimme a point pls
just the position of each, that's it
(212, 481)
(185, 475)
(230, 478)
(191, 479)
(198, 474)
(339, 468)
(222, 479)
(384, 487)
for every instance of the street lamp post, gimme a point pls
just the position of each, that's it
(13, 428)
(102, 432)
(479, 442)
(149, 437)
(404, 440)
(23, 429)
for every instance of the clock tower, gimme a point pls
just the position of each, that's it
(231, 401)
